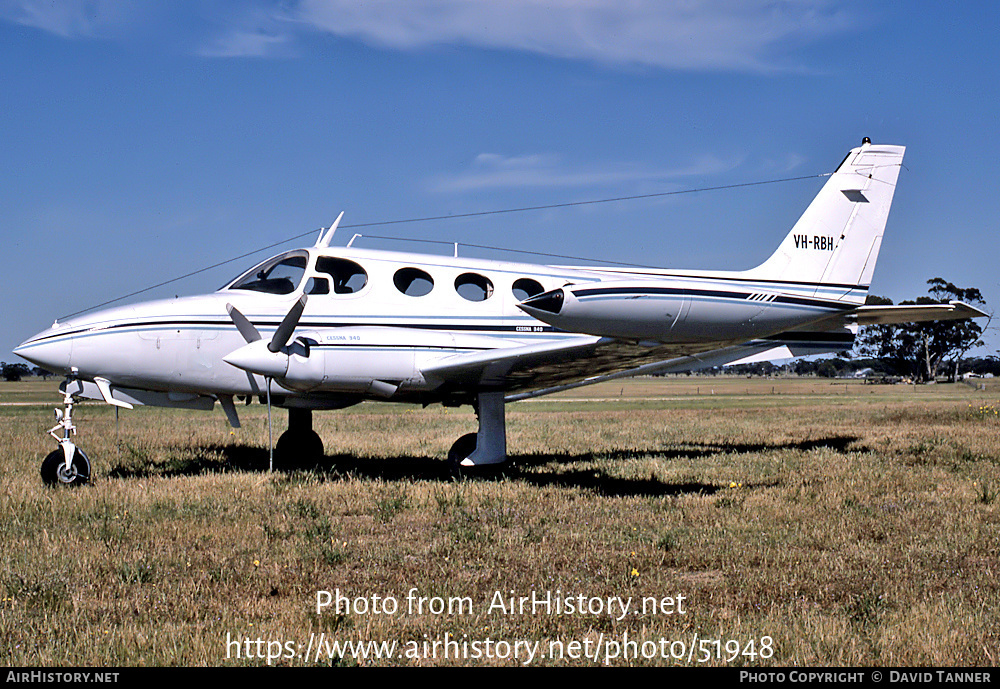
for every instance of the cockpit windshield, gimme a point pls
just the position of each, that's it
(279, 275)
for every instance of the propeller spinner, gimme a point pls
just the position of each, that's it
(257, 356)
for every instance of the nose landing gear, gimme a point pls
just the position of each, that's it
(68, 465)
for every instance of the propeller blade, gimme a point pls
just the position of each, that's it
(284, 332)
(246, 328)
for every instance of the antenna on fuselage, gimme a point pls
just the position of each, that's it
(326, 235)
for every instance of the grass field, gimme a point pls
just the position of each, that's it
(746, 522)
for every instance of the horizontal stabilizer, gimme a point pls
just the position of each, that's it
(916, 313)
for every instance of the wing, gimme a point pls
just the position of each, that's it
(534, 370)
(532, 367)
(123, 396)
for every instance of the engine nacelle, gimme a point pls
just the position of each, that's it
(364, 360)
(666, 312)
(369, 360)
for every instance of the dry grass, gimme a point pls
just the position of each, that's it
(851, 524)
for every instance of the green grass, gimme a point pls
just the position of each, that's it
(853, 525)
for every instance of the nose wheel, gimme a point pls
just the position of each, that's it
(56, 472)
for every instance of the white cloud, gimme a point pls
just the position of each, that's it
(70, 18)
(493, 171)
(239, 43)
(740, 35)
(787, 163)
(746, 35)
(210, 28)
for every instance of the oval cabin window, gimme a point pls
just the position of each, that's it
(413, 282)
(526, 287)
(473, 286)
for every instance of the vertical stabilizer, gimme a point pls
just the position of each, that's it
(837, 239)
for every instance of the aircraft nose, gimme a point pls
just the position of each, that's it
(48, 349)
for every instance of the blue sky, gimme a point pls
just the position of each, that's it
(141, 141)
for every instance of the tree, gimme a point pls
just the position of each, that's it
(923, 350)
(882, 342)
(42, 373)
(943, 344)
(13, 372)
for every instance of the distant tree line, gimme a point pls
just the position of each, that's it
(12, 372)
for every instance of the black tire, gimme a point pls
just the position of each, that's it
(55, 473)
(299, 449)
(464, 447)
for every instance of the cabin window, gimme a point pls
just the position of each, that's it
(473, 286)
(318, 286)
(526, 287)
(348, 277)
(413, 282)
(279, 275)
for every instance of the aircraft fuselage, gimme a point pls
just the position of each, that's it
(378, 332)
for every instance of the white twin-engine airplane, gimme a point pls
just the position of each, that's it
(326, 328)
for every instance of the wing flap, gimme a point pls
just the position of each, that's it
(785, 346)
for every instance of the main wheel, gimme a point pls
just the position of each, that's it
(299, 448)
(54, 471)
(464, 447)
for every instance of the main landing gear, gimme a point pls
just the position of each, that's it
(485, 452)
(300, 444)
(68, 465)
